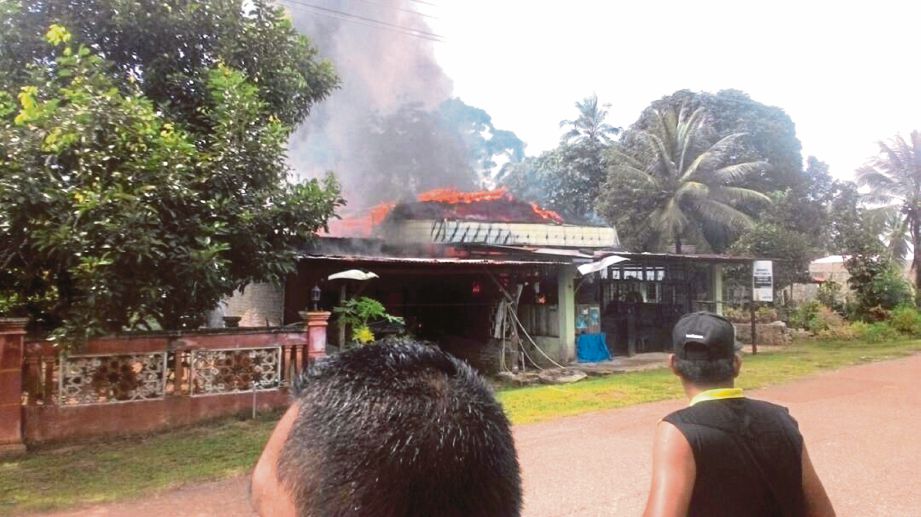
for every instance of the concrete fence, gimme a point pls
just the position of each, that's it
(145, 382)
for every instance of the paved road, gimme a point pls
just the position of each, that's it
(861, 426)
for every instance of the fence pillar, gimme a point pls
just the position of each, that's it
(12, 331)
(317, 322)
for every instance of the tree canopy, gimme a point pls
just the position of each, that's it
(766, 133)
(566, 179)
(668, 183)
(894, 181)
(142, 158)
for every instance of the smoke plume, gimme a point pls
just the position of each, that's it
(382, 70)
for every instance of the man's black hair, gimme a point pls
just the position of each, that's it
(704, 372)
(399, 429)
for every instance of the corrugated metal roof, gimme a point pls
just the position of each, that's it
(681, 256)
(435, 260)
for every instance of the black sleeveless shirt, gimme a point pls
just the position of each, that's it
(748, 455)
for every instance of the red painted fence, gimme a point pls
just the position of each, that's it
(145, 382)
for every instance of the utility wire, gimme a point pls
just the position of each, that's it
(401, 9)
(370, 22)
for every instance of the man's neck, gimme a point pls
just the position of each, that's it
(692, 390)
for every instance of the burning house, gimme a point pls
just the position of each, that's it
(484, 272)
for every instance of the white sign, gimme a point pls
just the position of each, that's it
(763, 281)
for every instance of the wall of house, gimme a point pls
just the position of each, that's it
(259, 305)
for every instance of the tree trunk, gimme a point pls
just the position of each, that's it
(678, 244)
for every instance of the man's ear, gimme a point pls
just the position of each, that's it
(268, 496)
(736, 365)
(671, 363)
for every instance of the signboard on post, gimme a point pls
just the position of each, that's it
(763, 281)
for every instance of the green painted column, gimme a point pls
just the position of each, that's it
(718, 287)
(567, 312)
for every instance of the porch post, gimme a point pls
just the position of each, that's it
(566, 311)
(12, 331)
(718, 288)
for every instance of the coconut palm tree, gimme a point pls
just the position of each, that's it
(590, 126)
(680, 181)
(894, 181)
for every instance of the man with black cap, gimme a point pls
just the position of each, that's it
(726, 454)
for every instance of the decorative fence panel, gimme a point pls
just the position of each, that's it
(109, 378)
(141, 383)
(214, 372)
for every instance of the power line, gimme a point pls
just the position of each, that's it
(370, 22)
(423, 2)
(401, 9)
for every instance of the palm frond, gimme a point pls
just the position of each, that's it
(732, 173)
(712, 155)
(669, 219)
(693, 190)
(739, 195)
(723, 214)
(661, 150)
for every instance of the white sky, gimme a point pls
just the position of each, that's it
(847, 73)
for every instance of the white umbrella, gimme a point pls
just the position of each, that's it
(352, 274)
(592, 267)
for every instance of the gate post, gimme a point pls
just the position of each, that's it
(317, 322)
(12, 332)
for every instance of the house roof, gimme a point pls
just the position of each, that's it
(435, 260)
(683, 257)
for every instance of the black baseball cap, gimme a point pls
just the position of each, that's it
(713, 337)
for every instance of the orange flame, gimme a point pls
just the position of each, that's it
(454, 196)
(550, 215)
(379, 212)
(363, 225)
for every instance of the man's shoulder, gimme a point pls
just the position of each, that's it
(705, 412)
(765, 405)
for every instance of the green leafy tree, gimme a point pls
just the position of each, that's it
(789, 248)
(894, 181)
(117, 213)
(591, 125)
(668, 183)
(766, 133)
(875, 280)
(794, 227)
(168, 49)
(566, 179)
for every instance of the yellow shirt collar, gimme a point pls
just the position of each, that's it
(717, 394)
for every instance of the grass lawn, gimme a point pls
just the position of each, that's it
(537, 403)
(70, 476)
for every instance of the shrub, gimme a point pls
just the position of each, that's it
(879, 332)
(859, 329)
(803, 316)
(906, 319)
(766, 314)
(359, 313)
(736, 315)
(842, 333)
(825, 319)
(829, 294)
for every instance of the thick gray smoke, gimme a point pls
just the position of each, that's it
(381, 69)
